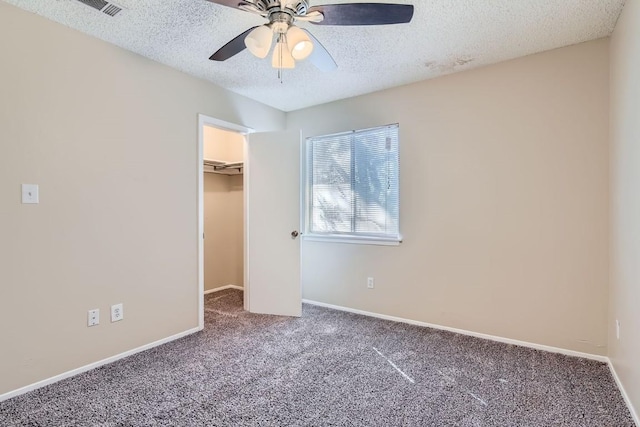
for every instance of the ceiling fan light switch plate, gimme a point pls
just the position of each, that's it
(30, 194)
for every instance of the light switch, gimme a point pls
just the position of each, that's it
(30, 194)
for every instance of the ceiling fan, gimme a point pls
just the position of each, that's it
(294, 43)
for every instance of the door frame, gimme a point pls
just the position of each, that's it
(203, 121)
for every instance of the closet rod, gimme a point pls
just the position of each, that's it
(237, 165)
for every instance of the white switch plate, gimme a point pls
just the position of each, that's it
(93, 317)
(117, 312)
(30, 194)
(370, 282)
(617, 329)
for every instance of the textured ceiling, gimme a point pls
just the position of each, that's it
(444, 36)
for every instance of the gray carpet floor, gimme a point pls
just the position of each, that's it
(327, 368)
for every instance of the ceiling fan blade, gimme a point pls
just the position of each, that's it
(311, 17)
(320, 57)
(233, 47)
(364, 13)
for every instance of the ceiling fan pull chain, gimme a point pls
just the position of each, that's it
(281, 42)
(279, 46)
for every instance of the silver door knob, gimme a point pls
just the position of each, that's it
(294, 234)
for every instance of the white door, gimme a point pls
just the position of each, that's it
(272, 197)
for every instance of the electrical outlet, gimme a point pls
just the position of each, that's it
(370, 283)
(93, 317)
(117, 312)
(617, 329)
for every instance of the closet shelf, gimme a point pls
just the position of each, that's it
(221, 167)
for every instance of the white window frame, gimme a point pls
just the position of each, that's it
(349, 238)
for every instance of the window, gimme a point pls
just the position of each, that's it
(352, 185)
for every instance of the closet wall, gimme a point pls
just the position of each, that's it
(223, 213)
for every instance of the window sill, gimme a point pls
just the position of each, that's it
(351, 240)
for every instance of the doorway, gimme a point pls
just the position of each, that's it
(272, 193)
(221, 211)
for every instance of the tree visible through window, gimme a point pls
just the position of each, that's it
(352, 180)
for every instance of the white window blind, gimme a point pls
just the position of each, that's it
(352, 182)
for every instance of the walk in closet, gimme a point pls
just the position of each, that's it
(223, 209)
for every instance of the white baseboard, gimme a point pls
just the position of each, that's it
(222, 288)
(85, 368)
(625, 396)
(551, 349)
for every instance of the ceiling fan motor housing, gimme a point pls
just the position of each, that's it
(292, 7)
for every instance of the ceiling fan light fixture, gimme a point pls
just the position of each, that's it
(299, 42)
(294, 43)
(259, 41)
(282, 55)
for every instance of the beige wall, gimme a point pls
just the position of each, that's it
(625, 215)
(223, 145)
(236, 200)
(504, 202)
(111, 138)
(223, 212)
